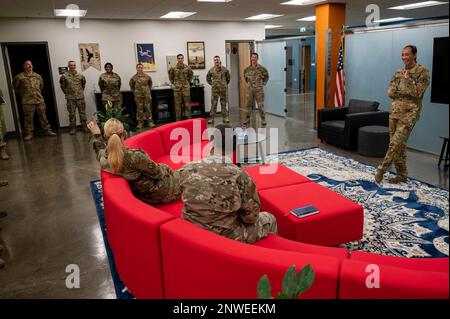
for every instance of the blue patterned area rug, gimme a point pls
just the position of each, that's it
(407, 220)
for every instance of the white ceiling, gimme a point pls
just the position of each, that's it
(236, 10)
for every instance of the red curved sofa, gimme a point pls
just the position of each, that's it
(159, 255)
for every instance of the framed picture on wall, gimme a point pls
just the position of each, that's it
(196, 55)
(145, 54)
(89, 56)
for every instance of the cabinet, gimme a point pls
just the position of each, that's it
(163, 104)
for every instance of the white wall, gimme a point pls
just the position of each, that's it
(116, 39)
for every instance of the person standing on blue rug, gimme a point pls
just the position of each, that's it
(150, 182)
(407, 87)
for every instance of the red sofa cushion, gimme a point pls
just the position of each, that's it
(133, 232)
(195, 127)
(149, 141)
(181, 160)
(339, 221)
(279, 176)
(175, 208)
(395, 282)
(200, 264)
(280, 243)
(421, 264)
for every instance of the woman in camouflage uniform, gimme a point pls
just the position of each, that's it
(152, 183)
(110, 83)
(406, 89)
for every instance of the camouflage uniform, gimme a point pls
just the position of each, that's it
(181, 77)
(29, 87)
(150, 182)
(73, 84)
(256, 78)
(218, 78)
(406, 95)
(220, 197)
(3, 154)
(141, 86)
(2, 127)
(110, 86)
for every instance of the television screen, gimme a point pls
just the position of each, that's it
(439, 84)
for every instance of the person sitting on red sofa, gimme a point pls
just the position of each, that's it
(220, 197)
(150, 182)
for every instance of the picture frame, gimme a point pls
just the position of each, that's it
(196, 55)
(89, 56)
(145, 54)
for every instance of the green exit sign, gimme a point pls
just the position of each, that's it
(303, 29)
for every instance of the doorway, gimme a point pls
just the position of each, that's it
(305, 86)
(14, 55)
(238, 58)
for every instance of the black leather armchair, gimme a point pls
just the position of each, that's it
(340, 126)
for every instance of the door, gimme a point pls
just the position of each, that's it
(307, 66)
(244, 50)
(272, 55)
(15, 54)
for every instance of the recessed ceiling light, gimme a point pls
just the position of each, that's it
(392, 20)
(418, 5)
(264, 16)
(301, 2)
(214, 0)
(177, 15)
(271, 26)
(312, 18)
(70, 13)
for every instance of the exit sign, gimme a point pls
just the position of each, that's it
(303, 29)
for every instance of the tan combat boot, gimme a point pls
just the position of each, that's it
(263, 122)
(3, 154)
(379, 176)
(397, 180)
(28, 137)
(50, 133)
(226, 120)
(72, 130)
(151, 124)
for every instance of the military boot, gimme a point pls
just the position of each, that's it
(379, 176)
(50, 133)
(72, 130)
(3, 182)
(28, 137)
(397, 180)
(3, 154)
(211, 120)
(263, 122)
(151, 124)
(139, 126)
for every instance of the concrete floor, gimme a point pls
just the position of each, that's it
(52, 221)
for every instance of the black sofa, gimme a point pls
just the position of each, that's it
(340, 126)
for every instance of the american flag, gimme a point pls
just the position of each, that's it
(339, 95)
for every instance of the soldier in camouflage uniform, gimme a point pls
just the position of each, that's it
(72, 84)
(3, 154)
(256, 77)
(219, 78)
(110, 83)
(141, 86)
(28, 85)
(181, 76)
(150, 182)
(406, 90)
(220, 197)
